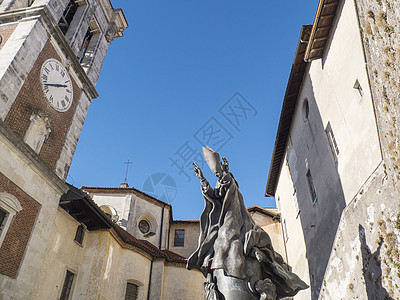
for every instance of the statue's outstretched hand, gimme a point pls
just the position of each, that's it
(198, 171)
(225, 164)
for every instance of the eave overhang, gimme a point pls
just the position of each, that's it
(79, 205)
(321, 29)
(289, 104)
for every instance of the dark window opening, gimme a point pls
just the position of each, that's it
(144, 226)
(3, 219)
(311, 187)
(179, 240)
(67, 16)
(332, 142)
(85, 44)
(79, 234)
(131, 291)
(66, 290)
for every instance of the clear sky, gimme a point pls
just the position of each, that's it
(188, 73)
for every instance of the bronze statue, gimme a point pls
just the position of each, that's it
(234, 254)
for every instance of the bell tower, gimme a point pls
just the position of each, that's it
(51, 54)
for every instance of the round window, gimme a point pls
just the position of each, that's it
(306, 110)
(144, 226)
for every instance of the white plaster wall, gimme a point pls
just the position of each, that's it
(62, 253)
(328, 85)
(20, 170)
(192, 232)
(294, 241)
(141, 206)
(352, 119)
(182, 284)
(120, 202)
(107, 267)
(157, 280)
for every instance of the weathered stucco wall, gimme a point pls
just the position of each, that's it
(365, 259)
(351, 116)
(328, 87)
(120, 202)
(293, 234)
(62, 253)
(134, 207)
(182, 284)
(192, 232)
(107, 267)
(274, 230)
(23, 172)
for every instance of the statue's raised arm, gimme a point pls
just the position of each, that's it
(234, 254)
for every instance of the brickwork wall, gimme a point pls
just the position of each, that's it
(15, 242)
(5, 33)
(31, 99)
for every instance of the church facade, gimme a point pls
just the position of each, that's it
(334, 171)
(51, 53)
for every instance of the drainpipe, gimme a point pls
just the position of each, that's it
(169, 232)
(161, 227)
(151, 270)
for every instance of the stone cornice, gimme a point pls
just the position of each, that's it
(31, 157)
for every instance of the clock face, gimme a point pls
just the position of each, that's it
(56, 85)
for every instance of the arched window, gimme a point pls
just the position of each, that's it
(110, 212)
(9, 206)
(132, 291)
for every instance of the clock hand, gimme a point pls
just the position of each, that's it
(55, 84)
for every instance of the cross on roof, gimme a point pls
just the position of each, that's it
(127, 167)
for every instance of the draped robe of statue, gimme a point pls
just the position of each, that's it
(231, 241)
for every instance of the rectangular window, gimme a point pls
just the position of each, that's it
(68, 16)
(179, 240)
(79, 234)
(131, 291)
(311, 187)
(66, 290)
(332, 142)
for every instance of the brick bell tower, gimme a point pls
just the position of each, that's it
(51, 54)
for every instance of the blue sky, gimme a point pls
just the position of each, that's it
(186, 73)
